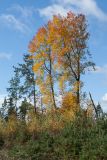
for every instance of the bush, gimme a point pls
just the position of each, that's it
(80, 139)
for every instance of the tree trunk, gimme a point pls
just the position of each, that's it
(53, 95)
(78, 92)
(51, 83)
(78, 80)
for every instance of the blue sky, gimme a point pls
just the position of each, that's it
(19, 21)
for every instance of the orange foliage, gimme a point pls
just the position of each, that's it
(57, 44)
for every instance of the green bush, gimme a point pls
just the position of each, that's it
(82, 139)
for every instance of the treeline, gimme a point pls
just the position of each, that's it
(22, 88)
(46, 115)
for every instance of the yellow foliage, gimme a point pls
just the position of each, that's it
(62, 81)
(90, 111)
(69, 106)
(11, 126)
(69, 102)
(54, 120)
(32, 123)
(37, 66)
(2, 127)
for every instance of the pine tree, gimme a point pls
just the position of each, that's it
(13, 90)
(28, 80)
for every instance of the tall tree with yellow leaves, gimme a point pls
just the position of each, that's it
(69, 44)
(62, 43)
(44, 62)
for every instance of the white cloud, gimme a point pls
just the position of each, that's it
(18, 17)
(104, 102)
(5, 56)
(25, 12)
(104, 98)
(101, 69)
(53, 10)
(11, 21)
(88, 7)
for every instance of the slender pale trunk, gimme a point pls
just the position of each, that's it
(51, 84)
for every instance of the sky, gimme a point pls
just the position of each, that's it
(20, 20)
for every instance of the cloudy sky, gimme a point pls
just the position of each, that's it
(19, 21)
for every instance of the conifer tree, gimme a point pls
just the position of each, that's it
(27, 87)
